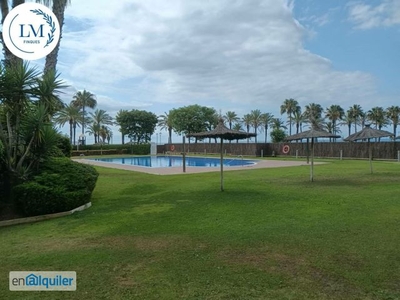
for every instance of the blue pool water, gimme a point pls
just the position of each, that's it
(175, 161)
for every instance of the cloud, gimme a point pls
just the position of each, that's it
(232, 53)
(365, 16)
(113, 106)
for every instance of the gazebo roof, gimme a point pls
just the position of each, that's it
(312, 133)
(368, 133)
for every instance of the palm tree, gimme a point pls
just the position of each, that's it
(165, 122)
(18, 84)
(348, 120)
(362, 119)
(82, 100)
(94, 129)
(247, 119)
(290, 106)
(9, 58)
(376, 115)
(231, 117)
(48, 91)
(69, 114)
(278, 124)
(313, 114)
(109, 135)
(356, 112)
(27, 135)
(105, 133)
(393, 113)
(318, 123)
(332, 128)
(101, 117)
(298, 119)
(334, 113)
(58, 10)
(122, 119)
(266, 120)
(237, 126)
(256, 120)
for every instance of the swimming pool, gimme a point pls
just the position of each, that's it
(175, 161)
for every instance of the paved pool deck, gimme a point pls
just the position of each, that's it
(261, 164)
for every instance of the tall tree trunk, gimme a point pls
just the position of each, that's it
(51, 58)
(70, 132)
(266, 134)
(83, 119)
(169, 136)
(74, 133)
(9, 58)
(334, 128)
(15, 3)
(4, 10)
(123, 138)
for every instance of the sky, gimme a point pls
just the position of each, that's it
(234, 55)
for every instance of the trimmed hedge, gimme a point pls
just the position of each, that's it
(99, 152)
(141, 149)
(61, 185)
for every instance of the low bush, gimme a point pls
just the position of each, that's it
(141, 149)
(60, 185)
(64, 145)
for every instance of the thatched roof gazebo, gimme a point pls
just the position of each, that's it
(311, 134)
(368, 133)
(224, 133)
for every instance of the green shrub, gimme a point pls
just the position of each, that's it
(141, 149)
(64, 145)
(277, 135)
(2, 174)
(67, 173)
(61, 185)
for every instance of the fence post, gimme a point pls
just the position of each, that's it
(297, 154)
(183, 155)
(262, 153)
(341, 154)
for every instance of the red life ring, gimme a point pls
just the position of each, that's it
(285, 149)
(172, 148)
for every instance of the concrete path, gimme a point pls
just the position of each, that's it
(190, 170)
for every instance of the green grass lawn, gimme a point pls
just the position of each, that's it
(271, 235)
